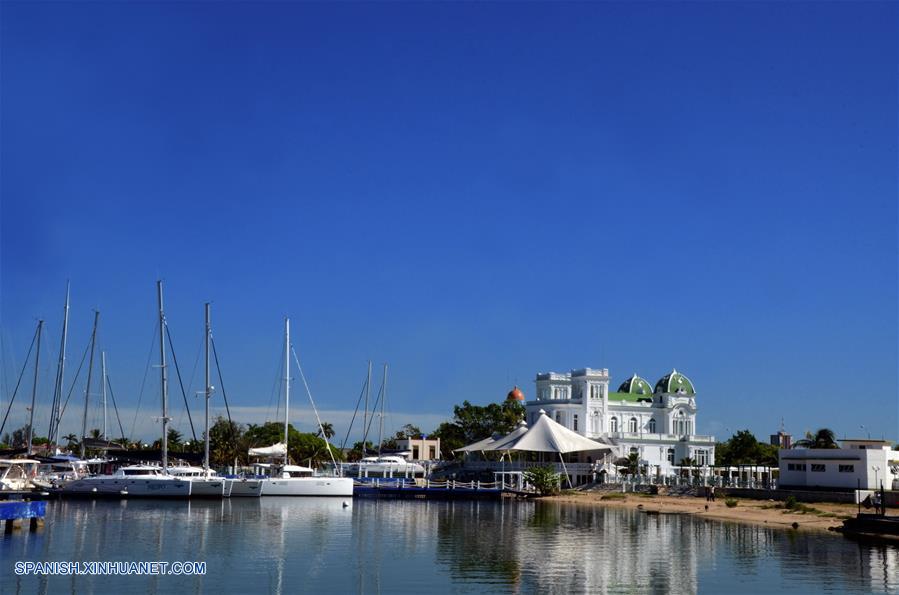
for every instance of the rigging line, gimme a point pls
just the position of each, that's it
(140, 394)
(74, 382)
(22, 373)
(276, 386)
(168, 334)
(353, 420)
(116, 409)
(193, 373)
(314, 409)
(218, 368)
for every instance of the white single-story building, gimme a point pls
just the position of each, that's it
(858, 464)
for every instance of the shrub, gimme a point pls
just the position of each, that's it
(613, 496)
(790, 503)
(730, 502)
(544, 479)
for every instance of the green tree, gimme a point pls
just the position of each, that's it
(328, 430)
(744, 449)
(474, 422)
(301, 447)
(544, 479)
(823, 438)
(226, 442)
(71, 441)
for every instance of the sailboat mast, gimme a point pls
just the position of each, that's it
(286, 384)
(103, 368)
(37, 361)
(164, 379)
(60, 371)
(381, 416)
(90, 372)
(365, 413)
(208, 392)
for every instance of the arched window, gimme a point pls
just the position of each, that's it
(574, 422)
(613, 424)
(632, 425)
(558, 417)
(680, 423)
(652, 426)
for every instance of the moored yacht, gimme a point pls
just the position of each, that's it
(130, 481)
(204, 483)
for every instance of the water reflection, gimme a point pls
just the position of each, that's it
(290, 545)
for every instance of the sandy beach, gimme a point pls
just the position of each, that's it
(819, 516)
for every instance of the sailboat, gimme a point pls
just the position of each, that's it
(137, 480)
(293, 480)
(205, 483)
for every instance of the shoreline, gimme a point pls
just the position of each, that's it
(821, 516)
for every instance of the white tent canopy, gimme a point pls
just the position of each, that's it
(544, 436)
(479, 445)
(548, 436)
(275, 450)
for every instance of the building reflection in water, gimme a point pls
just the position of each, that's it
(288, 545)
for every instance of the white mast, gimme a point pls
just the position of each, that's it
(165, 388)
(87, 390)
(286, 385)
(60, 371)
(208, 394)
(103, 366)
(365, 413)
(381, 416)
(37, 363)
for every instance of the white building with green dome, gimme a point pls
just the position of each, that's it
(659, 424)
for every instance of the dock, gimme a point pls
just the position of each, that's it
(435, 490)
(12, 512)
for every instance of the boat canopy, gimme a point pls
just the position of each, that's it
(275, 450)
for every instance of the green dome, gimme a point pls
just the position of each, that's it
(674, 382)
(635, 386)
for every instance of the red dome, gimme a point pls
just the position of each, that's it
(515, 395)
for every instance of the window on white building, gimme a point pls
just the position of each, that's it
(671, 455)
(652, 426)
(632, 425)
(613, 424)
(558, 417)
(847, 468)
(702, 457)
(574, 422)
(817, 468)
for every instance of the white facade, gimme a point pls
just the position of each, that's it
(858, 464)
(659, 425)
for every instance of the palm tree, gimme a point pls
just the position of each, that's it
(823, 438)
(71, 440)
(328, 430)
(174, 438)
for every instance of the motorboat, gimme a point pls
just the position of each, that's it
(130, 481)
(18, 474)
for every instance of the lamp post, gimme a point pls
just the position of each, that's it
(865, 430)
(876, 470)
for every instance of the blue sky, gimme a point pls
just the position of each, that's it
(471, 192)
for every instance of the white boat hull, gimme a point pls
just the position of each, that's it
(125, 488)
(308, 486)
(244, 488)
(207, 488)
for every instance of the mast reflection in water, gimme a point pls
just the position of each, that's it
(293, 545)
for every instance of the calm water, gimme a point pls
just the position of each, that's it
(290, 545)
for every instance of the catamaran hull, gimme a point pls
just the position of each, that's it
(244, 488)
(207, 488)
(127, 488)
(308, 486)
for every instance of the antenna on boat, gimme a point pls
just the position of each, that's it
(87, 390)
(37, 361)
